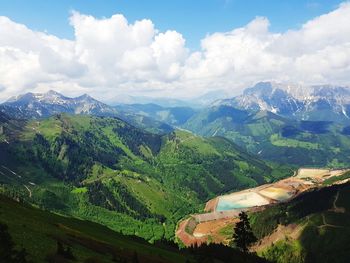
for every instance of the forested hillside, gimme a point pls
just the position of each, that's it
(276, 138)
(107, 171)
(28, 234)
(314, 227)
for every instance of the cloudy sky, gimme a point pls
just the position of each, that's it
(110, 50)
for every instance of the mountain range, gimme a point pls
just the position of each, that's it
(41, 105)
(140, 168)
(282, 123)
(274, 121)
(315, 103)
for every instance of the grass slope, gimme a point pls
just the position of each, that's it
(107, 171)
(38, 232)
(276, 138)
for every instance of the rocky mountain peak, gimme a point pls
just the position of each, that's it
(305, 102)
(37, 105)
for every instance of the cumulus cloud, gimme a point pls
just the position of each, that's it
(111, 56)
(316, 53)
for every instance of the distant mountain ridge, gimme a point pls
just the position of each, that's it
(316, 103)
(41, 105)
(170, 115)
(281, 123)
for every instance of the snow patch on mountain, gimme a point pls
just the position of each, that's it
(39, 105)
(324, 102)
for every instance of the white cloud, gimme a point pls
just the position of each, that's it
(169, 52)
(111, 56)
(316, 53)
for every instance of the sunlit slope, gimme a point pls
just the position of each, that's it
(209, 166)
(107, 171)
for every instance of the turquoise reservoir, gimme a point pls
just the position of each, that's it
(224, 205)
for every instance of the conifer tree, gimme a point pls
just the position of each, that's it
(243, 235)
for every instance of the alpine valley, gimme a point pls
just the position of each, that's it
(283, 122)
(88, 182)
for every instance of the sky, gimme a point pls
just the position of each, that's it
(115, 48)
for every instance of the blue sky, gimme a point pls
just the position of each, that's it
(194, 19)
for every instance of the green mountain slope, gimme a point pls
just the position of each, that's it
(276, 138)
(209, 166)
(39, 231)
(107, 171)
(323, 219)
(42, 234)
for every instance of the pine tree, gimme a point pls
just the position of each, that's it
(243, 235)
